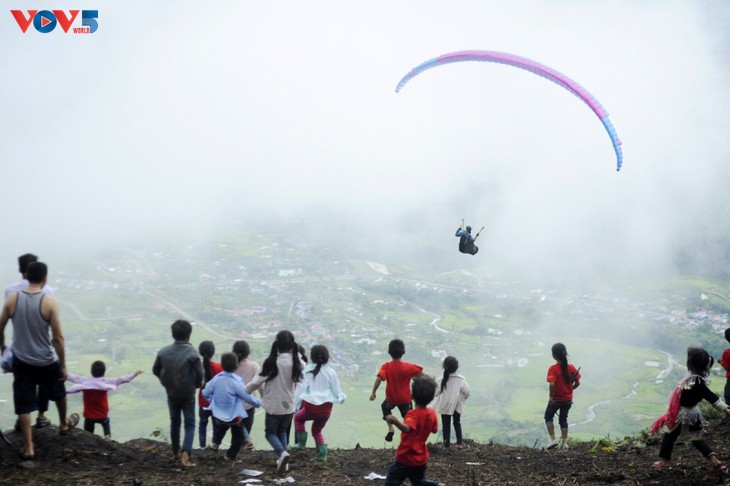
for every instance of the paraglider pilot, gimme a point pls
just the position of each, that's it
(466, 241)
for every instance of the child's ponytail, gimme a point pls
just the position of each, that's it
(560, 354)
(320, 356)
(207, 350)
(450, 365)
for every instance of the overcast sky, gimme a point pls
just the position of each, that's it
(174, 116)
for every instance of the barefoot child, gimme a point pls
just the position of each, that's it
(95, 390)
(180, 371)
(451, 393)
(210, 369)
(226, 394)
(563, 378)
(280, 373)
(683, 416)
(316, 394)
(411, 458)
(397, 374)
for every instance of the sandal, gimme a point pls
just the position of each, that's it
(71, 422)
(659, 465)
(720, 469)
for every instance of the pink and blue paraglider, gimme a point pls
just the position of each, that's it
(534, 67)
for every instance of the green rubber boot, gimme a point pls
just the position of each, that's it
(301, 441)
(321, 453)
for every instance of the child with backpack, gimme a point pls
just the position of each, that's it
(683, 415)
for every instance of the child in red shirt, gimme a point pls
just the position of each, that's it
(725, 363)
(95, 390)
(563, 378)
(411, 457)
(397, 374)
(210, 369)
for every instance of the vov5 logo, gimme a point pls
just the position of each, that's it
(45, 21)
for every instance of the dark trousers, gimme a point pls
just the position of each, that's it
(185, 408)
(562, 408)
(398, 473)
(446, 428)
(203, 416)
(238, 436)
(727, 391)
(671, 437)
(387, 408)
(105, 424)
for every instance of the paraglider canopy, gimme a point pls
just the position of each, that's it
(533, 67)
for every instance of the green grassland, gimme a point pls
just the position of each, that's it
(501, 335)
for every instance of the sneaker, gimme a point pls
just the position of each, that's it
(552, 445)
(41, 422)
(282, 463)
(564, 446)
(389, 436)
(213, 447)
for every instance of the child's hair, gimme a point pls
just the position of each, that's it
(284, 343)
(320, 355)
(229, 362)
(207, 350)
(181, 330)
(450, 365)
(241, 349)
(699, 361)
(98, 368)
(423, 390)
(560, 354)
(396, 349)
(302, 352)
(727, 334)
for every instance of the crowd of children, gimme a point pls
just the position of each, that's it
(293, 388)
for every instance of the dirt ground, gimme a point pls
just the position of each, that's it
(84, 459)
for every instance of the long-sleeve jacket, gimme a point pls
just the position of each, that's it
(320, 389)
(179, 368)
(102, 383)
(452, 398)
(227, 395)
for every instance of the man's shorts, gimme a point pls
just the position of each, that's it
(28, 379)
(387, 408)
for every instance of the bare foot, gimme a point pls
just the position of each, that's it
(185, 459)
